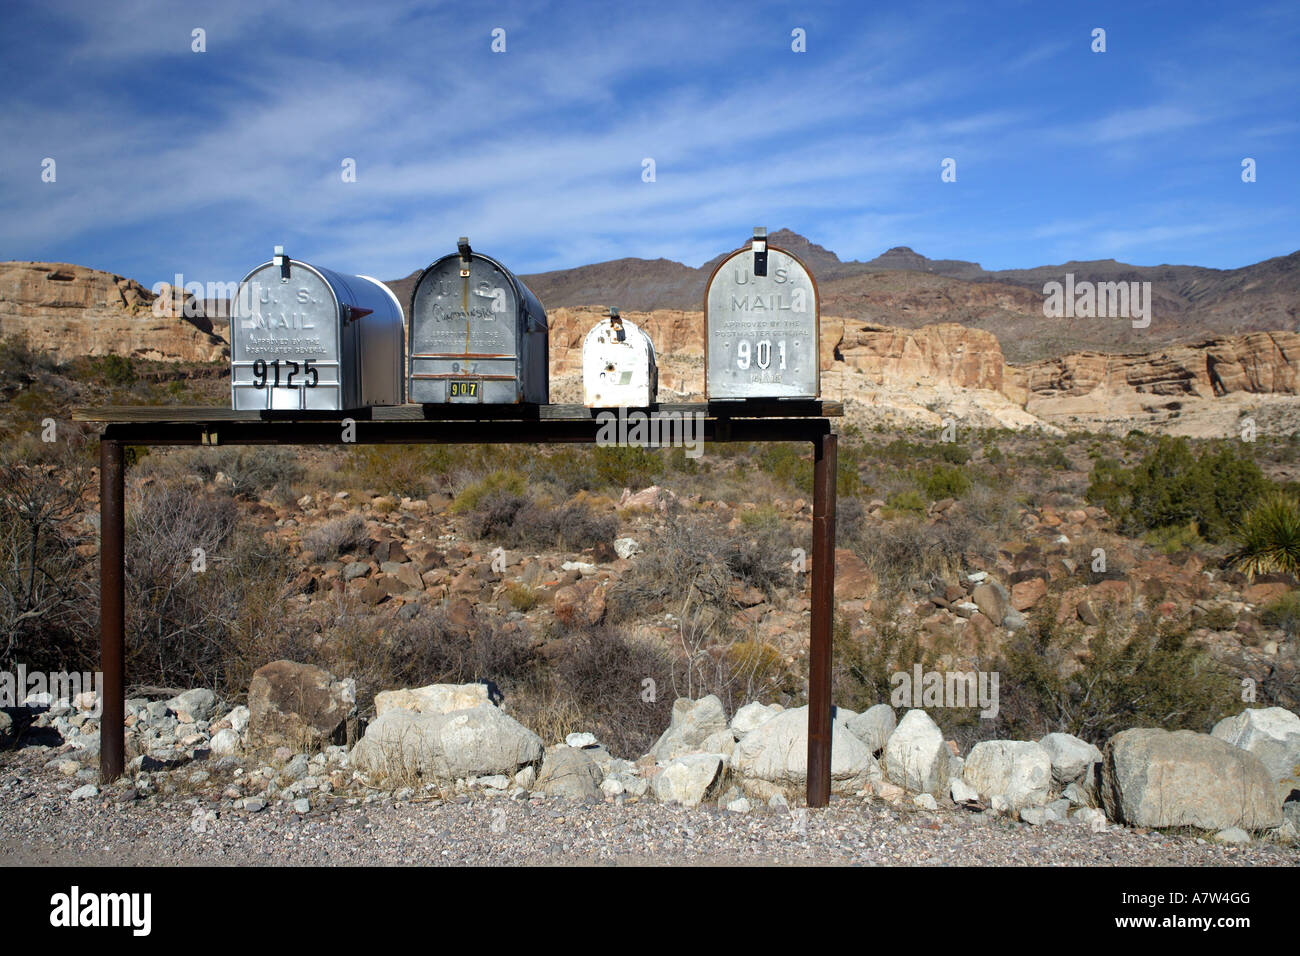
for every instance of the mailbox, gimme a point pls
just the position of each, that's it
(762, 326)
(618, 365)
(477, 334)
(302, 337)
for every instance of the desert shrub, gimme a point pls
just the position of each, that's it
(907, 502)
(251, 470)
(945, 481)
(1172, 486)
(1283, 612)
(187, 610)
(864, 662)
(1267, 538)
(337, 536)
(21, 363)
(45, 611)
(400, 470)
(627, 466)
(1143, 674)
(850, 517)
(517, 521)
(494, 483)
(1175, 538)
(605, 674)
(908, 553)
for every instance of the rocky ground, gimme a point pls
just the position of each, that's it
(39, 825)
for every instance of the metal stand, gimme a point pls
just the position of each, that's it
(451, 424)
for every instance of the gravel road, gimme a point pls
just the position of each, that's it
(41, 825)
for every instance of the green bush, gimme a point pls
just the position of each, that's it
(945, 481)
(511, 482)
(1283, 612)
(1172, 486)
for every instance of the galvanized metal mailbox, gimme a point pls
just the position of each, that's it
(477, 334)
(762, 326)
(618, 365)
(302, 337)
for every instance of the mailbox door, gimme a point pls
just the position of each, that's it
(466, 334)
(285, 350)
(762, 332)
(618, 372)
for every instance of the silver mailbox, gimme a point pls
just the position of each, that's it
(618, 365)
(302, 337)
(477, 334)
(762, 326)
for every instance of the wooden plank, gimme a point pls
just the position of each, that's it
(764, 408)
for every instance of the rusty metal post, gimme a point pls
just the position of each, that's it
(112, 743)
(823, 608)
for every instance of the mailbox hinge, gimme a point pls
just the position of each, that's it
(759, 245)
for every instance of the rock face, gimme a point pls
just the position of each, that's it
(433, 699)
(1155, 778)
(1273, 735)
(916, 756)
(570, 772)
(687, 779)
(693, 722)
(776, 752)
(481, 741)
(72, 311)
(1071, 757)
(873, 726)
(1019, 771)
(298, 706)
(946, 354)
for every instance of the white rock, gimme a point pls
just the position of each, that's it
(198, 704)
(1018, 770)
(739, 805)
(479, 741)
(916, 756)
(962, 792)
(687, 779)
(1273, 735)
(225, 743)
(1035, 816)
(1072, 758)
(692, 722)
(626, 547)
(752, 715)
(1091, 817)
(579, 741)
(86, 792)
(433, 699)
(925, 801)
(582, 567)
(1232, 835)
(874, 726)
(776, 752)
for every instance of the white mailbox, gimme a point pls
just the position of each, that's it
(618, 365)
(302, 337)
(762, 325)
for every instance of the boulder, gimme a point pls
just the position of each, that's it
(693, 721)
(991, 602)
(7, 732)
(687, 779)
(1019, 770)
(1072, 758)
(1155, 778)
(479, 742)
(1273, 735)
(569, 772)
(874, 726)
(916, 756)
(752, 715)
(776, 752)
(193, 705)
(433, 699)
(298, 706)
(225, 743)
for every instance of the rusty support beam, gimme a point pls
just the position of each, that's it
(112, 749)
(823, 608)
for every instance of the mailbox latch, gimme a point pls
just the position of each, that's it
(759, 245)
(281, 260)
(616, 323)
(462, 246)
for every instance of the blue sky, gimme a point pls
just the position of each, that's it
(173, 161)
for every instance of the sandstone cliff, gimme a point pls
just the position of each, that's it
(70, 310)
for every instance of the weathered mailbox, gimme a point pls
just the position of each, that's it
(762, 326)
(477, 334)
(302, 337)
(618, 365)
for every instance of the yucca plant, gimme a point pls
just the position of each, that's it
(1268, 538)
